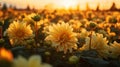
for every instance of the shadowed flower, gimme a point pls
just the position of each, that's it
(19, 31)
(75, 24)
(98, 43)
(114, 50)
(62, 36)
(83, 34)
(110, 33)
(33, 61)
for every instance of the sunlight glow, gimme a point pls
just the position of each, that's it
(69, 3)
(64, 4)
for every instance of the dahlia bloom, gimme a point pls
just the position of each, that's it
(62, 37)
(18, 31)
(98, 43)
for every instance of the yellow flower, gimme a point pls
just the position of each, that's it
(98, 43)
(114, 50)
(107, 18)
(110, 33)
(28, 18)
(75, 24)
(118, 18)
(90, 14)
(62, 37)
(33, 61)
(19, 31)
(83, 34)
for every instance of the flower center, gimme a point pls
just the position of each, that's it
(20, 33)
(64, 37)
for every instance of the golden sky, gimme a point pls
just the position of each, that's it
(104, 4)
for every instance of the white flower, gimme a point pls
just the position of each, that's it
(20, 62)
(33, 61)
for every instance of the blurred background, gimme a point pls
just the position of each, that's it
(62, 4)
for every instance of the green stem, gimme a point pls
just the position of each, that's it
(90, 40)
(36, 33)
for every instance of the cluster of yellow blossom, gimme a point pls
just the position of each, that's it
(100, 44)
(64, 35)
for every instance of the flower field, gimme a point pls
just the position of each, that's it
(59, 38)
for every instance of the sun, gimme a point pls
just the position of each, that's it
(69, 3)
